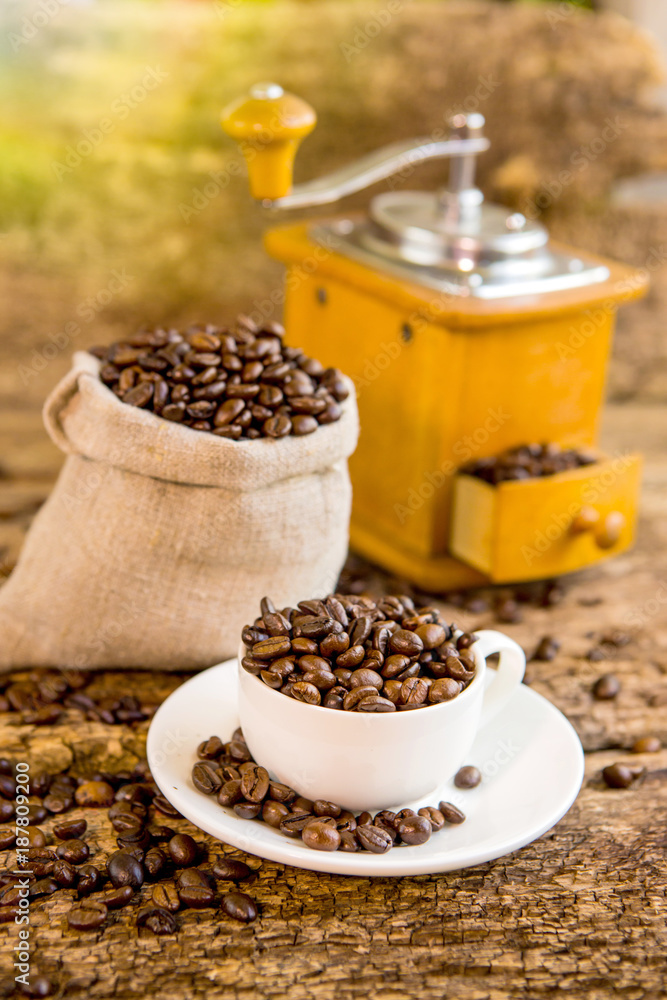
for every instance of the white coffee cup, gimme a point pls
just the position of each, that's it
(375, 761)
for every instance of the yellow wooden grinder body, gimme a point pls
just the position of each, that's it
(442, 380)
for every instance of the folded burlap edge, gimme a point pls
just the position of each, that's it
(84, 417)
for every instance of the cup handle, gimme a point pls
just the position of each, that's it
(509, 674)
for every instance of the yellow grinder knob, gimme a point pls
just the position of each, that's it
(610, 531)
(269, 124)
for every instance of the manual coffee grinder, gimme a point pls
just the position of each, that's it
(467, 331)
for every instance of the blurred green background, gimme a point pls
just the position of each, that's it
(122, 202)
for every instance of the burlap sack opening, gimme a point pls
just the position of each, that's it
(158, 542)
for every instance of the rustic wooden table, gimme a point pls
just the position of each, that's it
(581, 910)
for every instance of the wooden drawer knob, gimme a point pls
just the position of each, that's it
(586, 520)
(610, 530)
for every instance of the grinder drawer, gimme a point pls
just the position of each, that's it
(535, 528)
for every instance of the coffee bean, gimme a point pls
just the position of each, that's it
(43, 887)
(206, 778)
(72, 829)
(606, 687)
(280, 792)
(230, 868)
(6, 811)
(36, 814)
(211, 748)
(230, 793)
(467, 777)
(621, 775)
(547, 648)
(434, 816)
(351, 658)
(183, 850)
(414, 691)
(89, 879)
(196, 897)
(239, 906)
(57, 802)
(255, 783)
(7, 838)
(118, 898)
(273, 813)
(306, 692)
(123, 869)
(165, 807)
(166, 897)
(647, 744)
(374, 839)
(155, 861)
(157, 919)
(65, 874)
(274, 646)
(451, 813)
(415, 829)
(319, 836)
(406, 642)
(74, 851)
(366, 677)
(87, 916)
(248, 810)
(374, 703)
(443, 689)
(294, 823)
(348, 841)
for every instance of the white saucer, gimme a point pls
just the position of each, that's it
(530, 756)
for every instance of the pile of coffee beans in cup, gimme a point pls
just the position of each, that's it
(228, 771)
(236, 382)
(527, 461)
(354, 654)
(155, 870)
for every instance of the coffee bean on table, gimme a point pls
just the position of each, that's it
(239, 906)
(319, 836)
(196, 897)
(74, 851)
(183, 850)
(43, 887)
(89, 879)
(36, 814)
(647, 744)
(123, 869)
(467, 777)
(87, 915)
(65, 874)
(7, 838)
(547, 648)
(117, 898)
(165, 807)
(72, 829)
(606, 687)
(95, 794)
(621, 775)
(230, 868)
(155, 861)
(165, 895)
(157, 919)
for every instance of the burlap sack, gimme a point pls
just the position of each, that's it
(158, 541)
